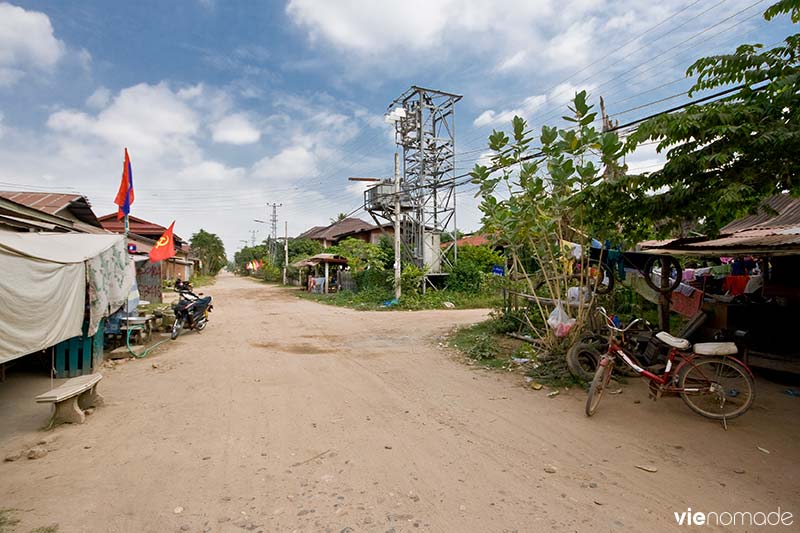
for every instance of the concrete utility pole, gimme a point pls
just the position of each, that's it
(285, 249)
(397, 270)
(252, 237)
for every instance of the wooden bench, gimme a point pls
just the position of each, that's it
(71, 398)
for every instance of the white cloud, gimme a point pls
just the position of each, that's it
(209, 171)
(289, 164)
(99, 98)
(26, 42)
(529, 106)
(150, 118)
(235, 129)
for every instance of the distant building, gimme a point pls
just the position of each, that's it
(344, 229)
(144, 234)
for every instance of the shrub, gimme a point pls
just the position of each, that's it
(473, 266)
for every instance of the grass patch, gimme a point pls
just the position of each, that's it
(7, 520)
(376, 300)
(487, 344)
(202, 281)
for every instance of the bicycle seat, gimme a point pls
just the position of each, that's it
(675, 342)
(715, 348)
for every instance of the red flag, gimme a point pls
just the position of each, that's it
(124, 197)
(165, 247)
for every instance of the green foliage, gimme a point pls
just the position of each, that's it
(360, 255)
(209, 248)
(374, 278)
(259, 252)
(270, 272)
(723, 157)
(411, 279)
(373, 299)
(473, 265)
(532, 199)
(301, 249)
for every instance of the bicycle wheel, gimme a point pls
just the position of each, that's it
(601, 378)
(726, 388)
(653, 279)
(582, 359)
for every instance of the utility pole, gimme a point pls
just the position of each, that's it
(273, 249)
(252, 238)
(397, 271)
(285, 249)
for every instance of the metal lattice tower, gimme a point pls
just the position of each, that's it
(426, 134)
(273, 248)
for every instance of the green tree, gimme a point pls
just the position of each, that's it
(209, 249)
(360, 255)
(723, 157)
(532, 202)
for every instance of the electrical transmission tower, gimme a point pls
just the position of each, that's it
(273, 236)
(425, 131)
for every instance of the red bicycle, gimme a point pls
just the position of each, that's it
(707, 377)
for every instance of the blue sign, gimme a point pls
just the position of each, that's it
(498, 270)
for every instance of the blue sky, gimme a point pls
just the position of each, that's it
(225, 106)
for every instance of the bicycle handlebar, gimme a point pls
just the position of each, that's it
(610, 322)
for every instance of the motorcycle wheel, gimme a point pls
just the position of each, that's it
(201, 324)
(176, 328)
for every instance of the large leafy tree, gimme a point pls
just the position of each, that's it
(723, 157)
(209, 248)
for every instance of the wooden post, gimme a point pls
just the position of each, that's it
(326, 278)
(663, 297)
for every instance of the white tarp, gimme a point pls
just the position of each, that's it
(43, 280)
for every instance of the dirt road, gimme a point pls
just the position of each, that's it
(289, 415)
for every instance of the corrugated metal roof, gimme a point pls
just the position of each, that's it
(337, 229)
(779, 210)
(50, 203)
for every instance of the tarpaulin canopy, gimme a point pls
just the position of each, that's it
(43, 286)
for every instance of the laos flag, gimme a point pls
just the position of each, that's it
(124, 197)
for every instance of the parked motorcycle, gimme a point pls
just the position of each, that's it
(191, 311)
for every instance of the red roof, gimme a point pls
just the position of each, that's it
(135, 225)
(471, 240)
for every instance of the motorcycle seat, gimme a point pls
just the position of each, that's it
(675, 342)
(204, 300)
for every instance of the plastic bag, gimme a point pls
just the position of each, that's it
(560, 321)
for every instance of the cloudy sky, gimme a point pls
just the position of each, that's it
(227, 106)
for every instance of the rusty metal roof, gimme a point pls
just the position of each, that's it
(54, 203)
(778, 211)
(337, 229)
(774, 230)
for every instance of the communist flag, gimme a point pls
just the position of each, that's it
(124, 197)
(165, 247)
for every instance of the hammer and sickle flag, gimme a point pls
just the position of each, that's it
(165, 247)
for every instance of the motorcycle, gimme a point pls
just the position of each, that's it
(191, 311)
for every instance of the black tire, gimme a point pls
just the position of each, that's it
(582, 359)
(601, 378)
(736, 393)
(672, 264)
(606, 284)
(176, 328)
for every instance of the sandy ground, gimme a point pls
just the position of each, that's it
(288, 415)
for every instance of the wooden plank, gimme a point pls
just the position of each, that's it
(74, 347)
(61, 359)
(86, 348)
(97, 345)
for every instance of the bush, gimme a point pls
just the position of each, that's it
(270, 272)
(411, 279)
(374, 278)
(473, 266)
